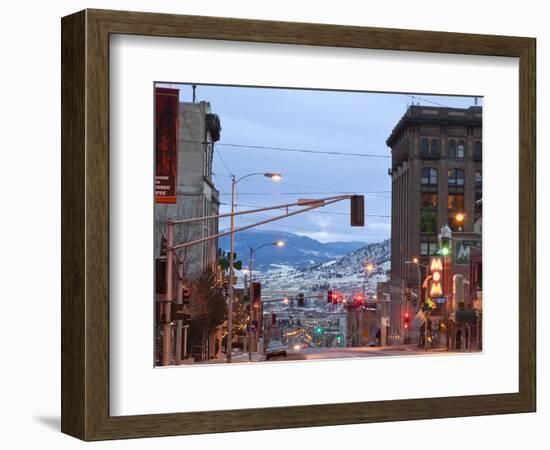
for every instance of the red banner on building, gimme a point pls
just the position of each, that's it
(166, 144)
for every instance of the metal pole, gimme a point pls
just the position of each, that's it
(419, 298)
(426, 331)
(246, 227)
(179, 323)
(251, 304)
(185, 341)
(231, 272)
(167, 326)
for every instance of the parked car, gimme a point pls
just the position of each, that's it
(275, 348)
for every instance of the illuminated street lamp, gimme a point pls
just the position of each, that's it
(278, 243)
(369, 267)
(275, 177)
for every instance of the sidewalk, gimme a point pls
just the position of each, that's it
(236, 357)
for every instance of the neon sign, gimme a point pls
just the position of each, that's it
(436, 271)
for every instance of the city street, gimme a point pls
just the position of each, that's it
(354, 352)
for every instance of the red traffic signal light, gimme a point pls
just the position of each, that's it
(406, 318)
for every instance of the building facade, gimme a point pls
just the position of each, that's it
(436, 180)
(196, 194)
(192, 194)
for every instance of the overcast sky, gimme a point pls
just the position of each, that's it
(347, 122)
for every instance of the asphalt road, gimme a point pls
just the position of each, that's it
(353, 352)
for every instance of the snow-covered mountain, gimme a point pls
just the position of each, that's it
(299, 251)
(345, 273)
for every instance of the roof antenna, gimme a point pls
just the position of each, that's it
(475, 101)
(194, 93)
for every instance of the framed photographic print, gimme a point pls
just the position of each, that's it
(273, 225)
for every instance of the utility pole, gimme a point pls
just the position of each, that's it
(251, 305)
(229, 346)
(179, 323)
(167, 325)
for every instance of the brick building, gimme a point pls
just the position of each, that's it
(436, 180)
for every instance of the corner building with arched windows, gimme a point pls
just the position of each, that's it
(436, 180)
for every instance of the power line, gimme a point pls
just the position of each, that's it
(281, 182)
(290, 149)
(304, 150)
(313, 193)
(414, 97)
(229, 172)
(310, 212)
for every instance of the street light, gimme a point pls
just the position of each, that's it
(279, 244)
(275, 177)
(369, 267)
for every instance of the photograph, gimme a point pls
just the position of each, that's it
(300, 224)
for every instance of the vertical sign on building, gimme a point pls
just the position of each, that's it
(436, 282)
(166, 144)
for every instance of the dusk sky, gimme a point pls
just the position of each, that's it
(345, 122)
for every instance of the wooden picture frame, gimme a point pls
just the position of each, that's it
(85, 224)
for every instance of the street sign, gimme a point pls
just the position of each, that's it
(178, 312)
(462, 253)
(310, 202)
(418, 320)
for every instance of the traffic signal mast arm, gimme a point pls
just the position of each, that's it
(318, 202)
(315, 203)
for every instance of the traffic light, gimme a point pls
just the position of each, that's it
(318, 330)
(335, 298)
(357, 210)
(301, 299)
(256, 294)
(406, 320)
(329, 296)
(163, 245)
(160, 275)
(359, 299)
(185, 295)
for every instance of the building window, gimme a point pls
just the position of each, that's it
(451, 152)
(460, 150)
(455, 201)
(428, 248)
(478, 151)
(424, 148)
(429, 200)
(456, 177)
(434, 152)
(429, 176)
(428, 220)
(479, 179)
